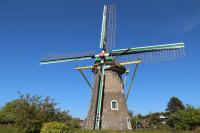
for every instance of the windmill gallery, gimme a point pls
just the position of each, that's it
(108, 108)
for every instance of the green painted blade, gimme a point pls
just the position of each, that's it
(99, 100)
(63, 60)
(147, 49)
(150, 53)
(103, 29)
(58, 58)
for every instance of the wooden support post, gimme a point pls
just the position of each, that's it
(87, 81)
(132, 79)
(126, 76)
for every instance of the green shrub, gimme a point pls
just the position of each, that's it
(55, 127)
(29, 113)
(134, 121)
(188, 119)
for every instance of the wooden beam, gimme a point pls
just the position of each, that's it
(87, 81)
(132, 79)
(121, 63)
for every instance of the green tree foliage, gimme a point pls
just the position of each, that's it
(55, 127)
(174, 105)
(5, 116)
(134, 121)
(187, 119)
(75, 123)
(30, 112)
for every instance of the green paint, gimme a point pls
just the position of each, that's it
(107, 58)
(97, 60)
(150, 48)
(103, 30)
(64, 60)
(100, 93)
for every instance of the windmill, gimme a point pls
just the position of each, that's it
(108, 108)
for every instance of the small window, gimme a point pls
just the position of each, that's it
(114, 105)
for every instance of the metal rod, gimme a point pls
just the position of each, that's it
(132, 79)
(87, 81)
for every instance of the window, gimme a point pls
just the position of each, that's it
(114, 105)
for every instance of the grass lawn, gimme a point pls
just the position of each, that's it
(7, 129)
(10, 129)
(139, 131)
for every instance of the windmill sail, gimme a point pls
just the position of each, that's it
(103, 30)
(107, 41)
(57, 58)
(150, 53)
(110, 27)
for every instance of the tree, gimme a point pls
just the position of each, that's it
(174, 105)
(188, 119)
(31, 112)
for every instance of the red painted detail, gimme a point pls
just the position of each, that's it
(102, 54)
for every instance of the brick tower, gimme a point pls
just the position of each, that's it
(114, 115)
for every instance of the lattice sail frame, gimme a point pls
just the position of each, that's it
(107, 41)
(163, 53)
(154, 56)
(110, 27)
(58, 58)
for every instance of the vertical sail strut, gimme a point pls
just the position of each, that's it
(103, 30)
(107, 41)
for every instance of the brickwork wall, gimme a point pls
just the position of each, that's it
(111, 119)
(93, 105)
(114, 119)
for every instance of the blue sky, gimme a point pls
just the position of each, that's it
(28, 29)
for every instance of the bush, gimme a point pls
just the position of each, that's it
(188, 119)
(29, 113)
(134, 121)
(55, 127)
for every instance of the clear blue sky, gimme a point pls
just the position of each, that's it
(30, 28)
